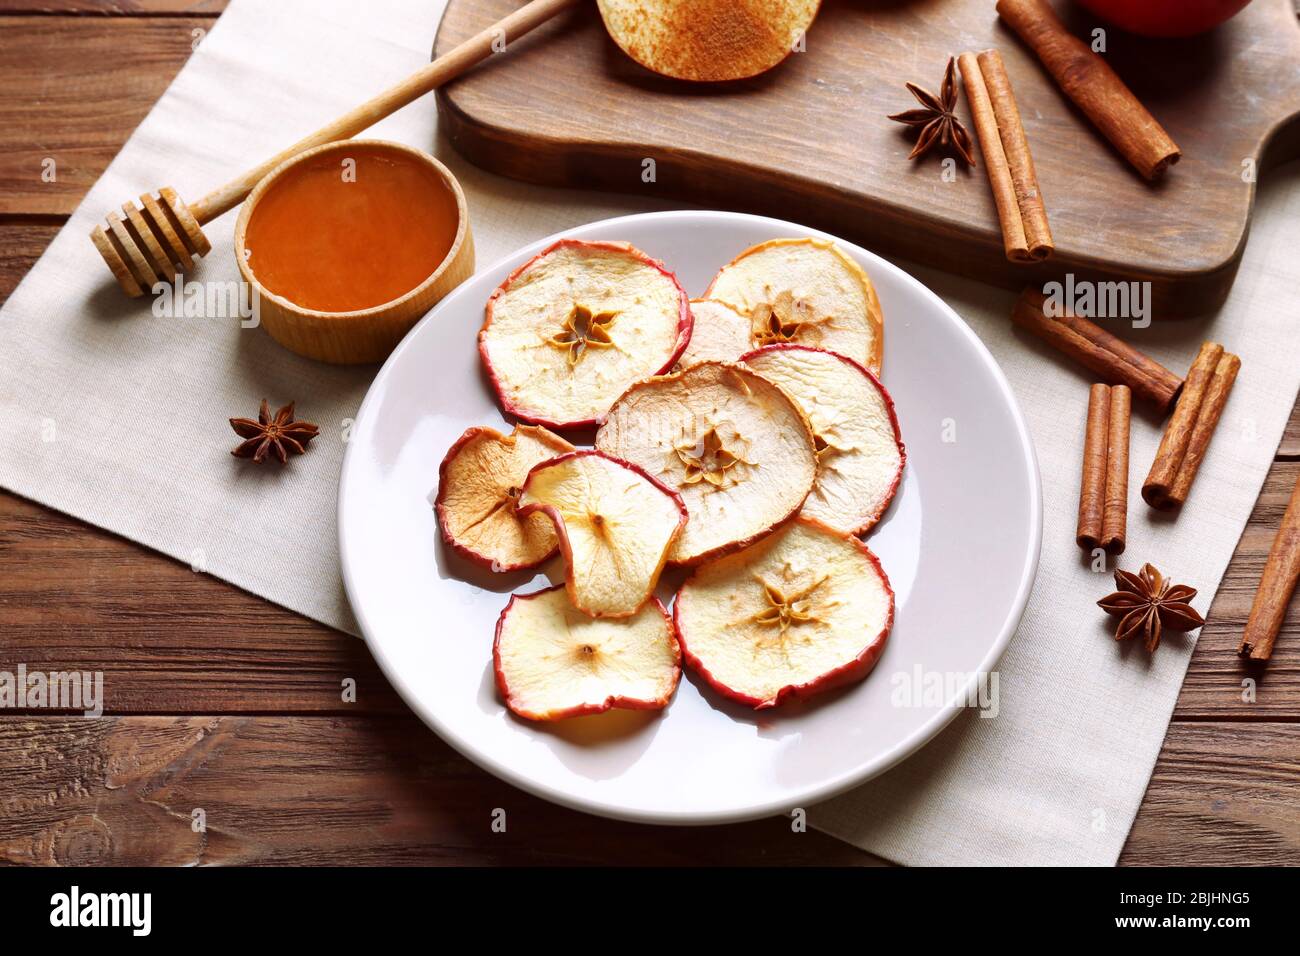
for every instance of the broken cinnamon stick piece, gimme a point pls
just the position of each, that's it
(1026, 236)
(1092, 485)
(1104, 354)
(1276, 585)
(1094, 87)
(1157, 490)
(1114, 520)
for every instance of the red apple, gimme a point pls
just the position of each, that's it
(1166, 18)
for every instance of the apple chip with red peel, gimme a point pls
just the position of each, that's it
(552, 661)
(804, 291)
(567, 332)
(719, 334)
(615, 524)
(478, 487)
(801, 611)
(860, 454)
(708, 40)
(734, 445)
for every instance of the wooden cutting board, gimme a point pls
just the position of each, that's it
(809, 140)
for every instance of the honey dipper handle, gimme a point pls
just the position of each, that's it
(447, 67)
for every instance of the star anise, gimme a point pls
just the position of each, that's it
(937, 118)
(279, 434)
(582, 330)
(1146, 602)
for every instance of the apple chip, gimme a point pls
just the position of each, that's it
(804, 291)
(615, 524)
(732, 444)
(708, 40)
(552, 661)
(567, 332)
(859, 452)
(718, 334)
(801, 611)
(478, 486)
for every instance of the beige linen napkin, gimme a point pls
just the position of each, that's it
(89, 381)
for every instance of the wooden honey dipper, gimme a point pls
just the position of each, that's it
(161, 236)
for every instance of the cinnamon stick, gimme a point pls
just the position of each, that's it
(1092, 485)
(1114, 522)
(1216, 396)
(1103, 487)
(995, 160)
(1164, 488)
(1276, 585)
(1104, 354)
(1094, 87)
(1026, 236)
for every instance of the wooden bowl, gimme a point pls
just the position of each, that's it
(365, 335)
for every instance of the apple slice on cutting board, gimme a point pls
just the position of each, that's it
(615, 523)
(567, 332)
(552, 661)
(708, 40)
(478, 486)
(860, 453)
(731, 443)
(804, 291)
(802, 611)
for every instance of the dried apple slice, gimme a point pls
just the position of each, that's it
(732, 444)
(573, 327)
(804, 291)
(478, 486)
(615, 524)
(801, 611)
(552, 661)
(860, 454)
(718, 334)
(708, 40)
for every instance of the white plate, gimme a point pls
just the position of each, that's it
(960, 546)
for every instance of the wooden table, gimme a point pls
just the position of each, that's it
(224, 703)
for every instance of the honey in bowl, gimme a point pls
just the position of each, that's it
(351, 228)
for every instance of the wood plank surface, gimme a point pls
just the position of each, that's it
(293, 790)
(1222, 794)
(232, 704)
(74, 90)
(114, 8)
(568, 108)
